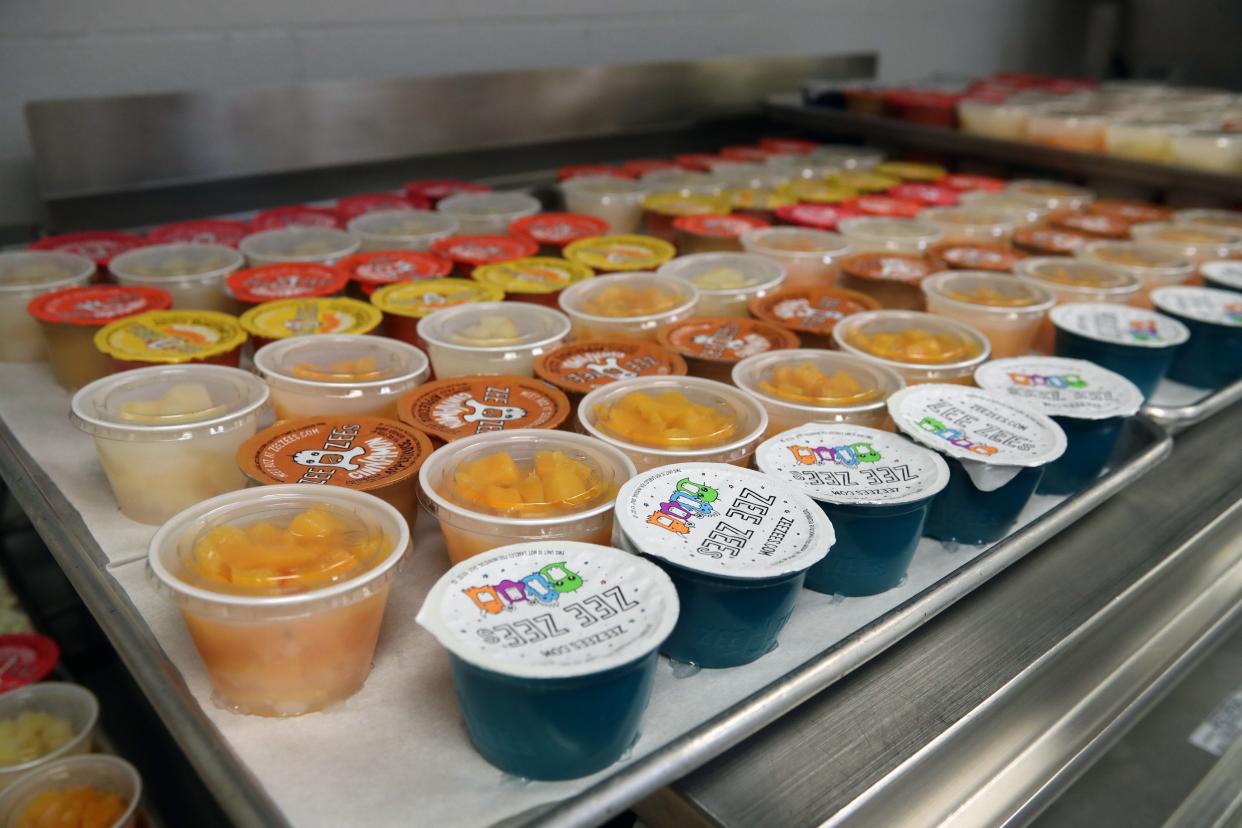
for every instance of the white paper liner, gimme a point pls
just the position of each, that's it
(1061, 387)
(1119, 324)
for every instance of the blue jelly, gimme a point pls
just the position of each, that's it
(963, 513)
(737, 545)
(876, 489)
(553, 649)
(1213, 356)
(1138, 344)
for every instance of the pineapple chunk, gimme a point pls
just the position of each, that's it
(182, 402)
(668, 419)
(492, 330)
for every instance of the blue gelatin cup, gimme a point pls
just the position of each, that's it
(873, 550)
(1212, 358)
(1089, 445)
(964, 514)
(1143, 366)
(726, 622)
(553, 728)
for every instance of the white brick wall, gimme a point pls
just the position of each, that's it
(70, 48)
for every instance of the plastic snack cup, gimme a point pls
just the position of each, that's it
(717, 422)
(434, 189)
(1049, 241)
(575, 170)
(346, 375)
(1131, 211)
(1223, 275)
(810, 257)
(620, 254)
(552, 231)
(966, 182)
(811, 313)
(875, 487)
(167, 435)
(1008, 311)
(812, 386)
(1095, 225)
(889, 235)
(350, 207)
(1211, 219)
(1199, 244)
(172, 337)
(911, 171)
(892, 279)
(100, 246)
(631, 307)
(1154, 267)
(757, 203)
(817, 191)
(711, 346)
(200, 231)
(296, 243)
(491, 338)
(816, 216)
(663, 208)
(777, 145)
(1090, 404)
(292, 280)
(405, 303)
(1212, 150)
(616, 201)
(994, 258)
(1020, 210)
(101, 773)
(1075, 280)
(922, 347)
(25, 275)
(271, 321)
(72, 703)
(295, 630)
(997, 451)
(727, 282)
(525, 484)
(364, 454)
(404, 229)
(886, 206)
(469, 252)
(737, 545)
(1213, 356)
(1137, 343)
(866, 181)
(193, 273)
(537, 279)
(1051, 195)
(295, 215)
(450, 409)
(642, 166)
(372, 271)
(806, 167)
(711, 233)
(484, 213)
(748, 175)
(577, 368)
(971, 224)
(531, 672)
(929, 195)
(684, 182)
(852, 159)
(70, 318)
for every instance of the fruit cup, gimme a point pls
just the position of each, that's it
(996, 449)
(810, 257)
(192, 273)
(468, 253)
(522, 485)
(663, 208)
(1008, 311)
(491, 338)
(874, 486)
(616, 201)
(620, 254)
(380, 268)
(726, 282)
(891, 235)
(810, 313)
(538, 279)
(339, 374)
(282, 589)
(402, 229)
(713, 233)
(537, 705)
(1153, 266)
(172, 337)
(167, 435)
(1213, 356)
(812, 386)
(994, 258)
(1072, 281)
(661, 420)
(552, 231)
(325, 245)
(1197, 243)
(1090, 404)
(483, 213)
(1137, 343)
(1019, 210)
(1208, 219)
(579, 367)
(737, 545)
(921, 347)
(288, 318)
(404, 304)
(971, 224)
(69, 789)
(627, 306)
(712, 345)
(25, 275)
(1050, 195)
(74, 712)
(450, 409)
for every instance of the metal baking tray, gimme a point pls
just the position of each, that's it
(1178, 408)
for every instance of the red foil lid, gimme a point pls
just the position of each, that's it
(964, 181)
(350, 207)
(201, 231)
(473, 251)
(25, 658)
(434, 189)
(295, 215)
(97, 245)
(753, 154)
(786, 146)
(887, 206)
(285, 280)
(97, 306)
(932, 195)
(725, 227)
(558, 229)
(575, 170)
(642, 166)
(817, 216)
(697, 161)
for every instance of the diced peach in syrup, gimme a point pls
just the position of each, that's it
(915, 345)
(345, 370)
(804, 382)
(622, 300)
(553, 482)
(81, 807)
(666, 419)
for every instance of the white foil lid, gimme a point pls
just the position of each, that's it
(1226, 272)
(1061, 387)
(1202, 304)
(1119, 324)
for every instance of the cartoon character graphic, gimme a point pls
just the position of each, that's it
(610, 368)
(319, 458)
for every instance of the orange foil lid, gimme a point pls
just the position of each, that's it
(724, 339)
(973, 256)
(1131, 211)
(363, 453)
(580, 367)
(383, 267)
(461, 406)
(1100, 225)
(97, 305)
(724, 227)
(810, 310)
(888, 267)
(1049, 239)
(285, 280)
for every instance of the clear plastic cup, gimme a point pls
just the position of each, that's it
(810, 257)
(1230, 220)
(23, 276)
(107, 774)
(70, 702)
(682, 182)
(742, 175)
(726, 281)
(279, 647)
(867, 233)
(1072, 281)
(995, 119)
(1067, 130)
(628, 306)
(970, 224)
(1008, 311)
(615, 200)
(1154, 267)
(804, 167)
(402, 229)
(1200, 244)
(491, 338)
(298, 244)
(1051, 195)
(662, 208)
(788, 406)
(745, 422)
(847, 157)
(339, 374)
(1020, 210)
(899, 339)
(167, 435)
(486, 213)
(1209, 150)
(1142, 138)
(583, 514)
(191, 272)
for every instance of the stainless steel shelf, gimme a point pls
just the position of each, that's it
(1175, 418)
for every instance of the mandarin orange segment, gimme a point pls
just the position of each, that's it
(915, 345)
(82, 807)
(805, 382)
(623, 300)
(990, 296)
(552, 481)
(666, 419)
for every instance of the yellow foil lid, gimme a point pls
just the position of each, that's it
(620, 253)
(418, 298)
(758, 199)
(534, 274)
(911, 171)
(300, 317)
(170, 337)
(817, 192)
(678, 204)
(865, 181)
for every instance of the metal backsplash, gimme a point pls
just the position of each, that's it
(92, 146)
